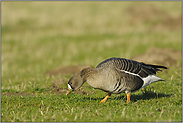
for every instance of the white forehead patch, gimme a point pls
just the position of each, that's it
(69, 86)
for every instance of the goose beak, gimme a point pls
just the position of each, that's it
(70, 89)
(67, 92)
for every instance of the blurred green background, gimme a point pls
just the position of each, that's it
(39, 36)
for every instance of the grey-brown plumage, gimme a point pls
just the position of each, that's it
(117, 75)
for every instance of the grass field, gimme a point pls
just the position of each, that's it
(40, 36)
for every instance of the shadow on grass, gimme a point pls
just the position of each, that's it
(148, 95)
(145, 96)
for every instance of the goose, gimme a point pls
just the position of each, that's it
(115, 76)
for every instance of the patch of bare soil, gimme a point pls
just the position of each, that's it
(167, 57)
(59, 81)
(69, 70)
(58, 90)
(148, 13)
(56, 87)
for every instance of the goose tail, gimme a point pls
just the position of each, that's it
(151, 79)
(155, 67)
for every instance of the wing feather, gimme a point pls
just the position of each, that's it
(131, 66)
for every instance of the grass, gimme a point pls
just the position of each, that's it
(44, 36)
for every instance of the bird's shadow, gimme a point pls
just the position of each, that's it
(144, 96)
(133, 98)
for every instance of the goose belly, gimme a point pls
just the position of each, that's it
(119, 82)
(103, 81)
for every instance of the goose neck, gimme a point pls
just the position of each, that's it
(87, 72)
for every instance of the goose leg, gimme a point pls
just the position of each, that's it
(128, 97)
(108, 95)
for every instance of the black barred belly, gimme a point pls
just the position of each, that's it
(127, 83)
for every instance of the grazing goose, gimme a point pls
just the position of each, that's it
(117, 75)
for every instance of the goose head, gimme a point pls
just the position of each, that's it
(75, 83)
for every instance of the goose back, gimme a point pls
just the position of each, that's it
(138, 68)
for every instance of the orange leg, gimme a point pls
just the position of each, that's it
(128, 97)
(108, 95)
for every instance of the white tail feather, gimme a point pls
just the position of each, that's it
(150, 79)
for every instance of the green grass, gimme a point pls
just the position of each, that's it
(46, 35)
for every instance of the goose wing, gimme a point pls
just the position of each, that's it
(130, 66)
